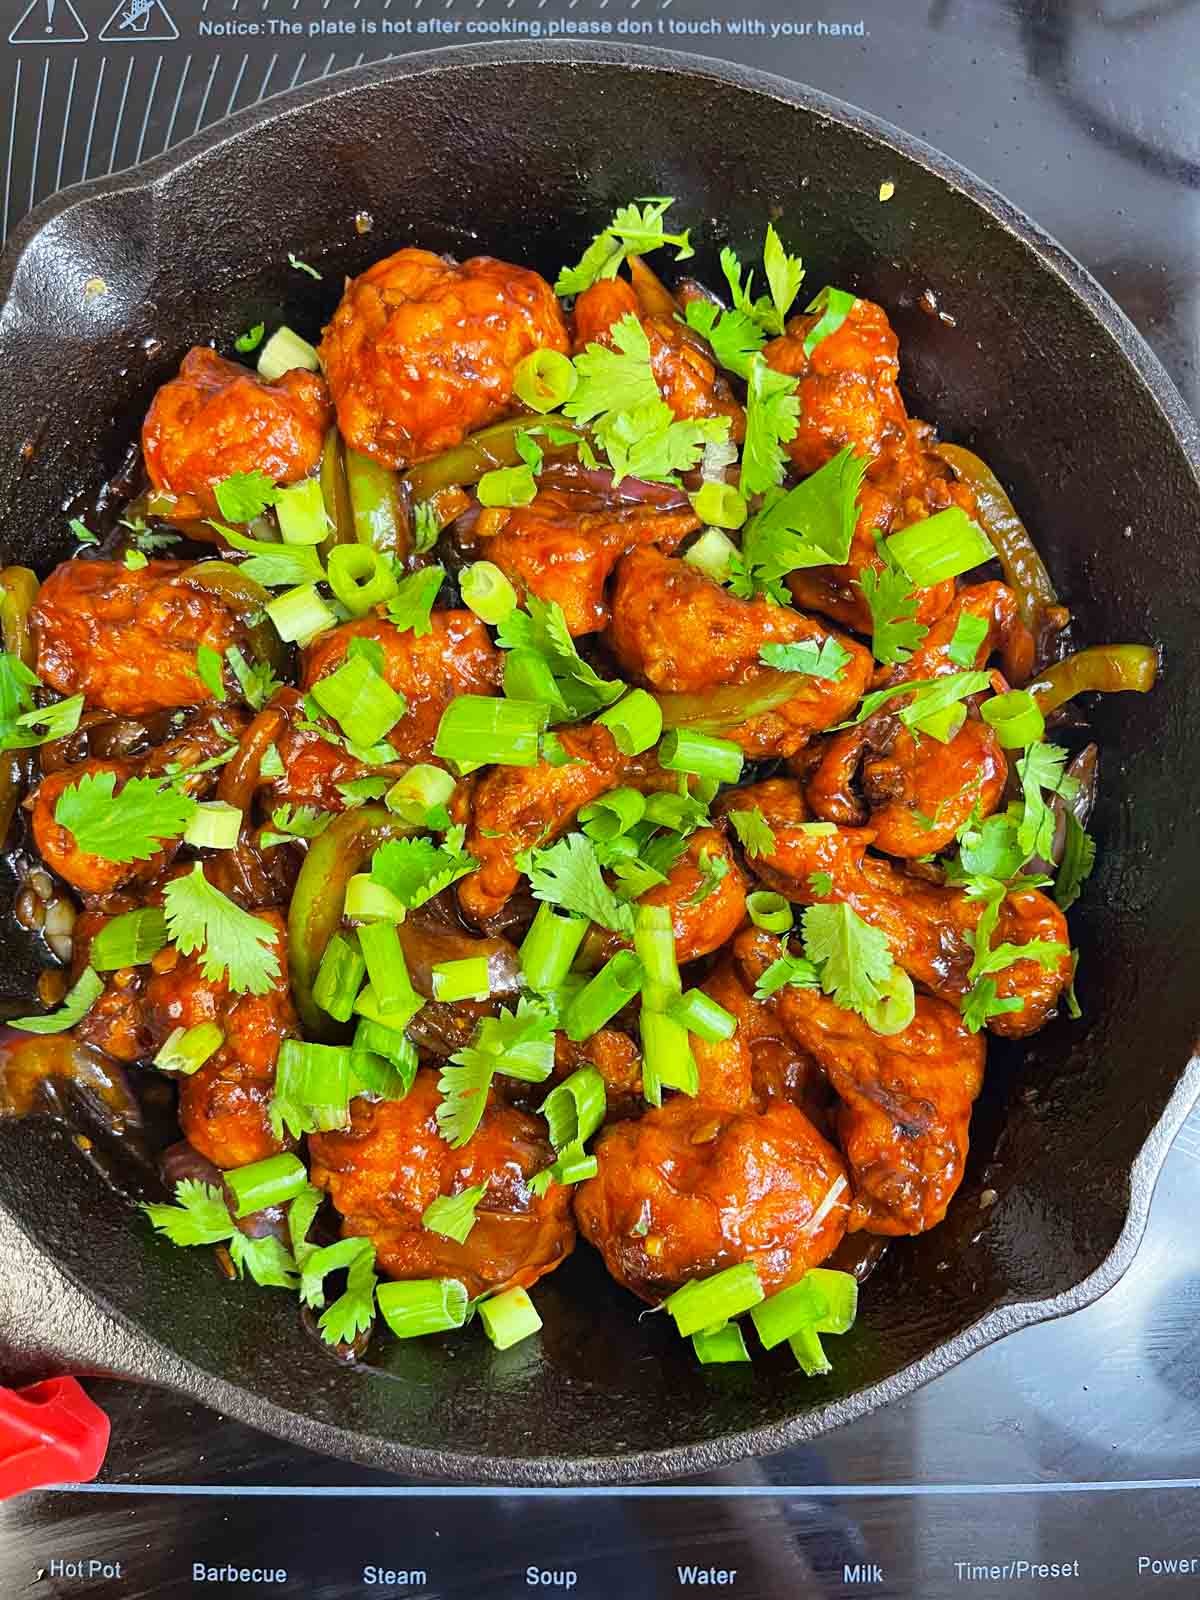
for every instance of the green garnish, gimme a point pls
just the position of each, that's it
(772, 418)
(453, 1215)
(128, 825)
(1079, 858)
(295, 262)
(518, 1043)
(412, 604)
(835, 305)
(251, 339)
(811, 525)
(895, 631)
(200, 1216)
(244, 495)
(632, 232)
(233, 944)
(542, 628)
(568, 875)
(74, 1008)
(970, 632)
(416, 869)
(82, 533)
(210, 671)
(754, 835)
(824, 660)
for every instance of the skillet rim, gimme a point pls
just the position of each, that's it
(155, 1361)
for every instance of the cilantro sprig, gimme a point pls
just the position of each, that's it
(518, 1043)
(568, 875)
(232, 944)
(129, 824)
(631, 232)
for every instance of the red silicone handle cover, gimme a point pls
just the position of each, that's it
(49, 1433)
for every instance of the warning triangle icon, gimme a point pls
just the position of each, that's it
(49, 22)
(139, 22)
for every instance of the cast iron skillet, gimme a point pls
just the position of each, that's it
(524, 151)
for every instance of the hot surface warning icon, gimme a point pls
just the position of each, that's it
(138, 22)
(49, 22)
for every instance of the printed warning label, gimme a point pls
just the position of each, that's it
(49, 22)
(139, 22)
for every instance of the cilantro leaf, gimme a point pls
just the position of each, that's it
(631, 232)
(251, 339)
(854, 960)
(412, 604)
(275, 566)
(543, 628)
(354, 1310)
(244, 495)
(785, 273)
(135, 561)
(233, 944)
(735, 337)
(518, 1043)
(772, 418)
(835, 305)
(416, 869)
(16, 680)
(1079, 857)
(713, 869)
(568, 875)
(148, 539)
(74, 1008)
(820, 884)
(453, 1215)
(22, 725)
(989, 849)
(761, 311)
(128, 825)
(895, 631)
(83, 533)
(316, 1263)
(209, 669)
(928, 696)
(811, 525)
(257, 682)
(752, 830)
(614, 380)
(199, 1216)
(650, 443)
(970, 632)
(302, 822)
(981, 1005)
(1041, 771)
(265, 1259)
(824, 660)
(788, 970)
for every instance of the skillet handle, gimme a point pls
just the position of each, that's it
(49, 1433)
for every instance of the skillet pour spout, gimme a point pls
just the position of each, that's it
(1040, 373)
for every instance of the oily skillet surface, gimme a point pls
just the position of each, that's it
(524, 151)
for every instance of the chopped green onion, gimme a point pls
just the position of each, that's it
(720, 505)
(1016, 717)
(367, 1006)
(896, 1006)
(613, 814)
(527, 676)
(571, 1165)
(316, 1081)
(941, 547)
(462, 980)
(487, 592)
(418, 1306)
(719, 1345)
(387, 968)
(283, 352)
(544, 380)
(300, 613)
(507, 486)
(667, 1061)
(635, 722)
(549, 948)
(769, 911)
(129, 940)
(368, 901)
(372, 1043)
(363, 704)
(187, 1049)
(374, 503)
(700, 1014)
(654, 942)
(339, 978)
(575, 1108)
(707, 1302)
(612, 988)
(508, 1318)
(422, 791)
(682, 750)
(361, 577)
(214, 826)
(453, 1215)
(477, 729)
(272, 1182)
(944, 725)
(713, 554)
(301, 512)
(824, 1301)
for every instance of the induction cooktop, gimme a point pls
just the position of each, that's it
(1065, 1460)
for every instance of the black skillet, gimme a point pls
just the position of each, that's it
(524, 151)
